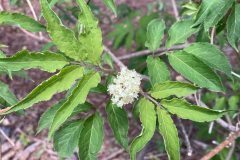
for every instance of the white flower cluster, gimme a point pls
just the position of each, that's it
(125, 87)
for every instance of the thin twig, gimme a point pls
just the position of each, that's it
(231, 138)
(212, 35)
(115, 154)
(150, 98)
(1, 8)
(32, 10)
(187, 141)
(226, 125)
(235, 74)
(7, 138)
(231, 151)
(196, 99)
(175, 10)
(71, 18)
(34, 15)
(220, 121)
(115, 59)
(41, 39)
(147, 52)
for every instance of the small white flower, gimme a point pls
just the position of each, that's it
(125, 87)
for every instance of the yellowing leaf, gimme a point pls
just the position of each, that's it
(90, 36)
(63, 37)
(55, 84)
(46, 61)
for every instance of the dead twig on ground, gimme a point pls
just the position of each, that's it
(115, 154)
(186, 137)
(7, 138)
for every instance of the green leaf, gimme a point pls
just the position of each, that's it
(55, 84)
(185, 110)
(179, 32)
(21, 21)
(2, 55)
(91, 36)
(233, 104)
(166, 89)
(155, 33)
(78, 96)
(118, 120)
(169, 133)
(233, 27)
(53, 2)
(211, 12)
(107, 59)
(148, 120)
(210, 55)
(7, 95)
(157, 70)
(82, 108)
(91, 138)
(195, 70)
(47, 117)
(46, 61)
(111, 5)
(62, 37)
(66, 138)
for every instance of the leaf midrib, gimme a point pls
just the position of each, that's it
(194, 70)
